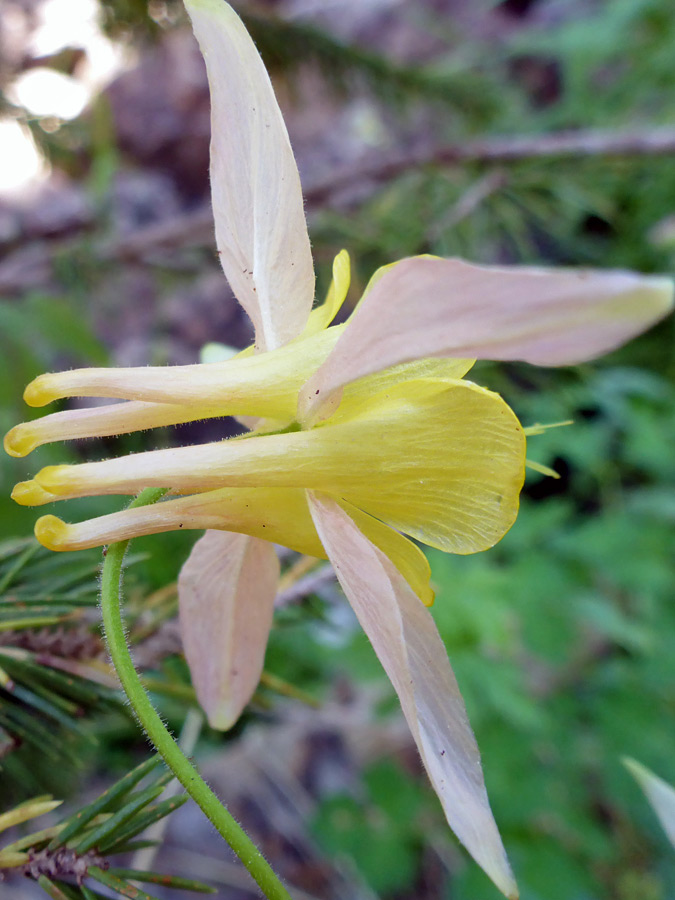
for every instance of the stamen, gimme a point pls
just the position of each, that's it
(538, 428)
(266, 384)
(101, 421)
(543, 470)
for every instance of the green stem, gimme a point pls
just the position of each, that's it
(168, 749)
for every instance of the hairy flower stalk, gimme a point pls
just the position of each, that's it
(365, 434)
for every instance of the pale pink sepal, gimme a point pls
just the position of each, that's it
(660, 794)
(425, 307)
(406, 640)
(226, 593)
(257, 199)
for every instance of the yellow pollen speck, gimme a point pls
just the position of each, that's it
(19, 441)
(51, 532)
(30, 493)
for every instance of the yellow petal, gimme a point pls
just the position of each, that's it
(257, 200)
(279, 515)
(323, 315)
(356, 398)
(226, 593)
(264, 384)
(440, 461)
(452, 466)
(101, 421)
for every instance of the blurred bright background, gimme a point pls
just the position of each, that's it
(420, 127)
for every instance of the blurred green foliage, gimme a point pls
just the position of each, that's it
(562, 635)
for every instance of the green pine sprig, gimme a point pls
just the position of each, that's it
(66, 858)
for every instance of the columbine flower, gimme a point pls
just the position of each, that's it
(362, 433)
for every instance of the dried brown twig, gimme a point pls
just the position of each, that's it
(508, 149)
(197, 226)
